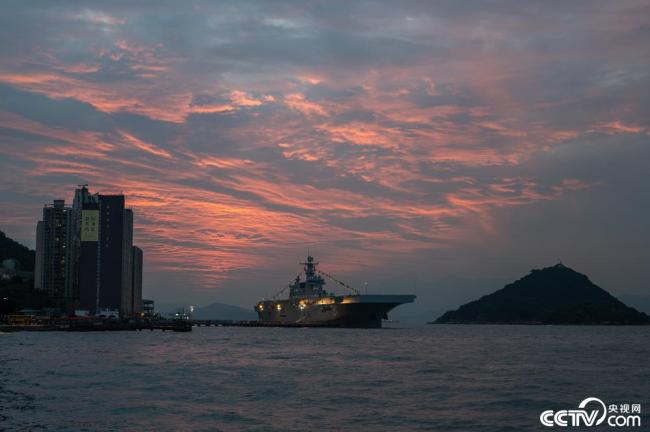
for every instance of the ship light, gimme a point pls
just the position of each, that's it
(278, 307)
(260, 307)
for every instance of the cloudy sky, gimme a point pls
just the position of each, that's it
(404, 143)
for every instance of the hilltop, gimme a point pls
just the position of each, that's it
(553, 295)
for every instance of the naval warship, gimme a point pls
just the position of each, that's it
(310, 305)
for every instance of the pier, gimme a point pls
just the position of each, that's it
(175, 325)
(253, 323)
(76, 325)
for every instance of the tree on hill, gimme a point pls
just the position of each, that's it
(12, 249)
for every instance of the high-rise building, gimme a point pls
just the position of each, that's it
(53, 273)
(89, 249)
(126, 287)
(137, 280)
(93, 266)
(82, 198)
(38, 267)
(111, 251)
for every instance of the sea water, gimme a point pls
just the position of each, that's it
(433, 378)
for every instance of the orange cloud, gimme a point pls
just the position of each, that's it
(104, 98)
(618, 126)
(298, 102)
(144, 146)
(241, 98)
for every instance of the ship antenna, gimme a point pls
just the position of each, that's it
(329, 276)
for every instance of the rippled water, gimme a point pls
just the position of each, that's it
(466, 378)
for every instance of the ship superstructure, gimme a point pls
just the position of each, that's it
(309, 304)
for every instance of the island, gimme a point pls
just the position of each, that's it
(552, 295)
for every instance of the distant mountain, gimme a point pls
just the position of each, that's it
(12, 249)
(220, 311)
(553, 295)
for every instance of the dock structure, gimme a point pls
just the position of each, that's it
(253, 323)
(100, 325)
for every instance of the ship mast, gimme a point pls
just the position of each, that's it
(312, 286)
(310, 267)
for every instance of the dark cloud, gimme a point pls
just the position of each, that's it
(66, 113)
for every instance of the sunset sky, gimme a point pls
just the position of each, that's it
(406, 144)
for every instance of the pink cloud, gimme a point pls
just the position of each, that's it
(298, 102)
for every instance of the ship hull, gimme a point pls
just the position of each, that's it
(357, 311)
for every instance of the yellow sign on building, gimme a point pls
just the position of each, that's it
(89, 225)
